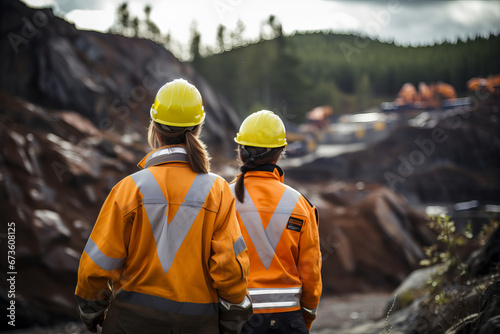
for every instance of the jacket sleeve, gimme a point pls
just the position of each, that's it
(102, 259)
(309, 266)
(229, 263)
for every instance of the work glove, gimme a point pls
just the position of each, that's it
(309, 316)
(232, 317)
(91, 320)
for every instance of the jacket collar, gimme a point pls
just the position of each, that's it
(168, 153)
(268, 171)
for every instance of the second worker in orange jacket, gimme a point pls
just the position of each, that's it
(280, 228)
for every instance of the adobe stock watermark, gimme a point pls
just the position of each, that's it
(427, 146)
(30, 28)
(155, 78)
(416, 158)
(380, 19)
(11, 273)
(121, 107)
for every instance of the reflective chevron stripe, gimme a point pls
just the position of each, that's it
(275, 297)
(239, 246)
(169, 237)
(265, 241)
(101, 259)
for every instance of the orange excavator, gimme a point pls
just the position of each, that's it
(489, 85)
(438, 95)
(304, 139)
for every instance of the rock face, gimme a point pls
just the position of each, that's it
(109, 79)
(74, 107)
(371, 239)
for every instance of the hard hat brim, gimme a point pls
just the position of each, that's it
(182, 125)
(245, 143)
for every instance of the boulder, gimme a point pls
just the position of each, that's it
(489, 318)
(371, 238)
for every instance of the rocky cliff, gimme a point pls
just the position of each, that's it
(74, 107)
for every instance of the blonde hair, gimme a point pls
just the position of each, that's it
(160, 135)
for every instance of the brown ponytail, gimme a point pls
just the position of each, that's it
(160, 135)
(197, 154)
(248, 164)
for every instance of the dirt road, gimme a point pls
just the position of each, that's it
(335, 314)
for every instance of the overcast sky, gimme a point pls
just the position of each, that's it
(404, 21)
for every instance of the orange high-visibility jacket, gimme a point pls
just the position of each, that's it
(169, 237)
(280, 228)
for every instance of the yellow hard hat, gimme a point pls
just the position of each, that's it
(178, 103)
(262, 129)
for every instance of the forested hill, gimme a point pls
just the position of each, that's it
(293, 74)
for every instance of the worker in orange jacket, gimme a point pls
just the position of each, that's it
(166, 254)
(280, 228)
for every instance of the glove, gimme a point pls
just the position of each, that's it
(232, 317)
(91, 320)
(309, 316)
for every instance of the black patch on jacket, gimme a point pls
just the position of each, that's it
(294, 224)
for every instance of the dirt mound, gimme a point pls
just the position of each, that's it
(371, 239)
(451, 156)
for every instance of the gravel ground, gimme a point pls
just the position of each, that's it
(335, 315)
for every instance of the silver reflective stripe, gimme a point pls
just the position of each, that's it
(169, 237)
(230, 306)
(275, 297)
(310, 311)
(168, 150)
(274, 305)
(265, 241)
(165, 155)
(275, 291)
(90, 315)
(101, 259)
(167, 304)
(239, 246)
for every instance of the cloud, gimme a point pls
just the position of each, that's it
(67, 6)
(404, 21)
(90, 19)
(421, 25)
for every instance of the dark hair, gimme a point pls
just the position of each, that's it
(251, 157)
(198, 157)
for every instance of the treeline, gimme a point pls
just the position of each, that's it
(293, 74)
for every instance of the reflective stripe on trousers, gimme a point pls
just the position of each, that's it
(275, 297)
(265, 241)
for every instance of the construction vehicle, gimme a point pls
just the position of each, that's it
(483, 86)
(438, 95)
(304, 139)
